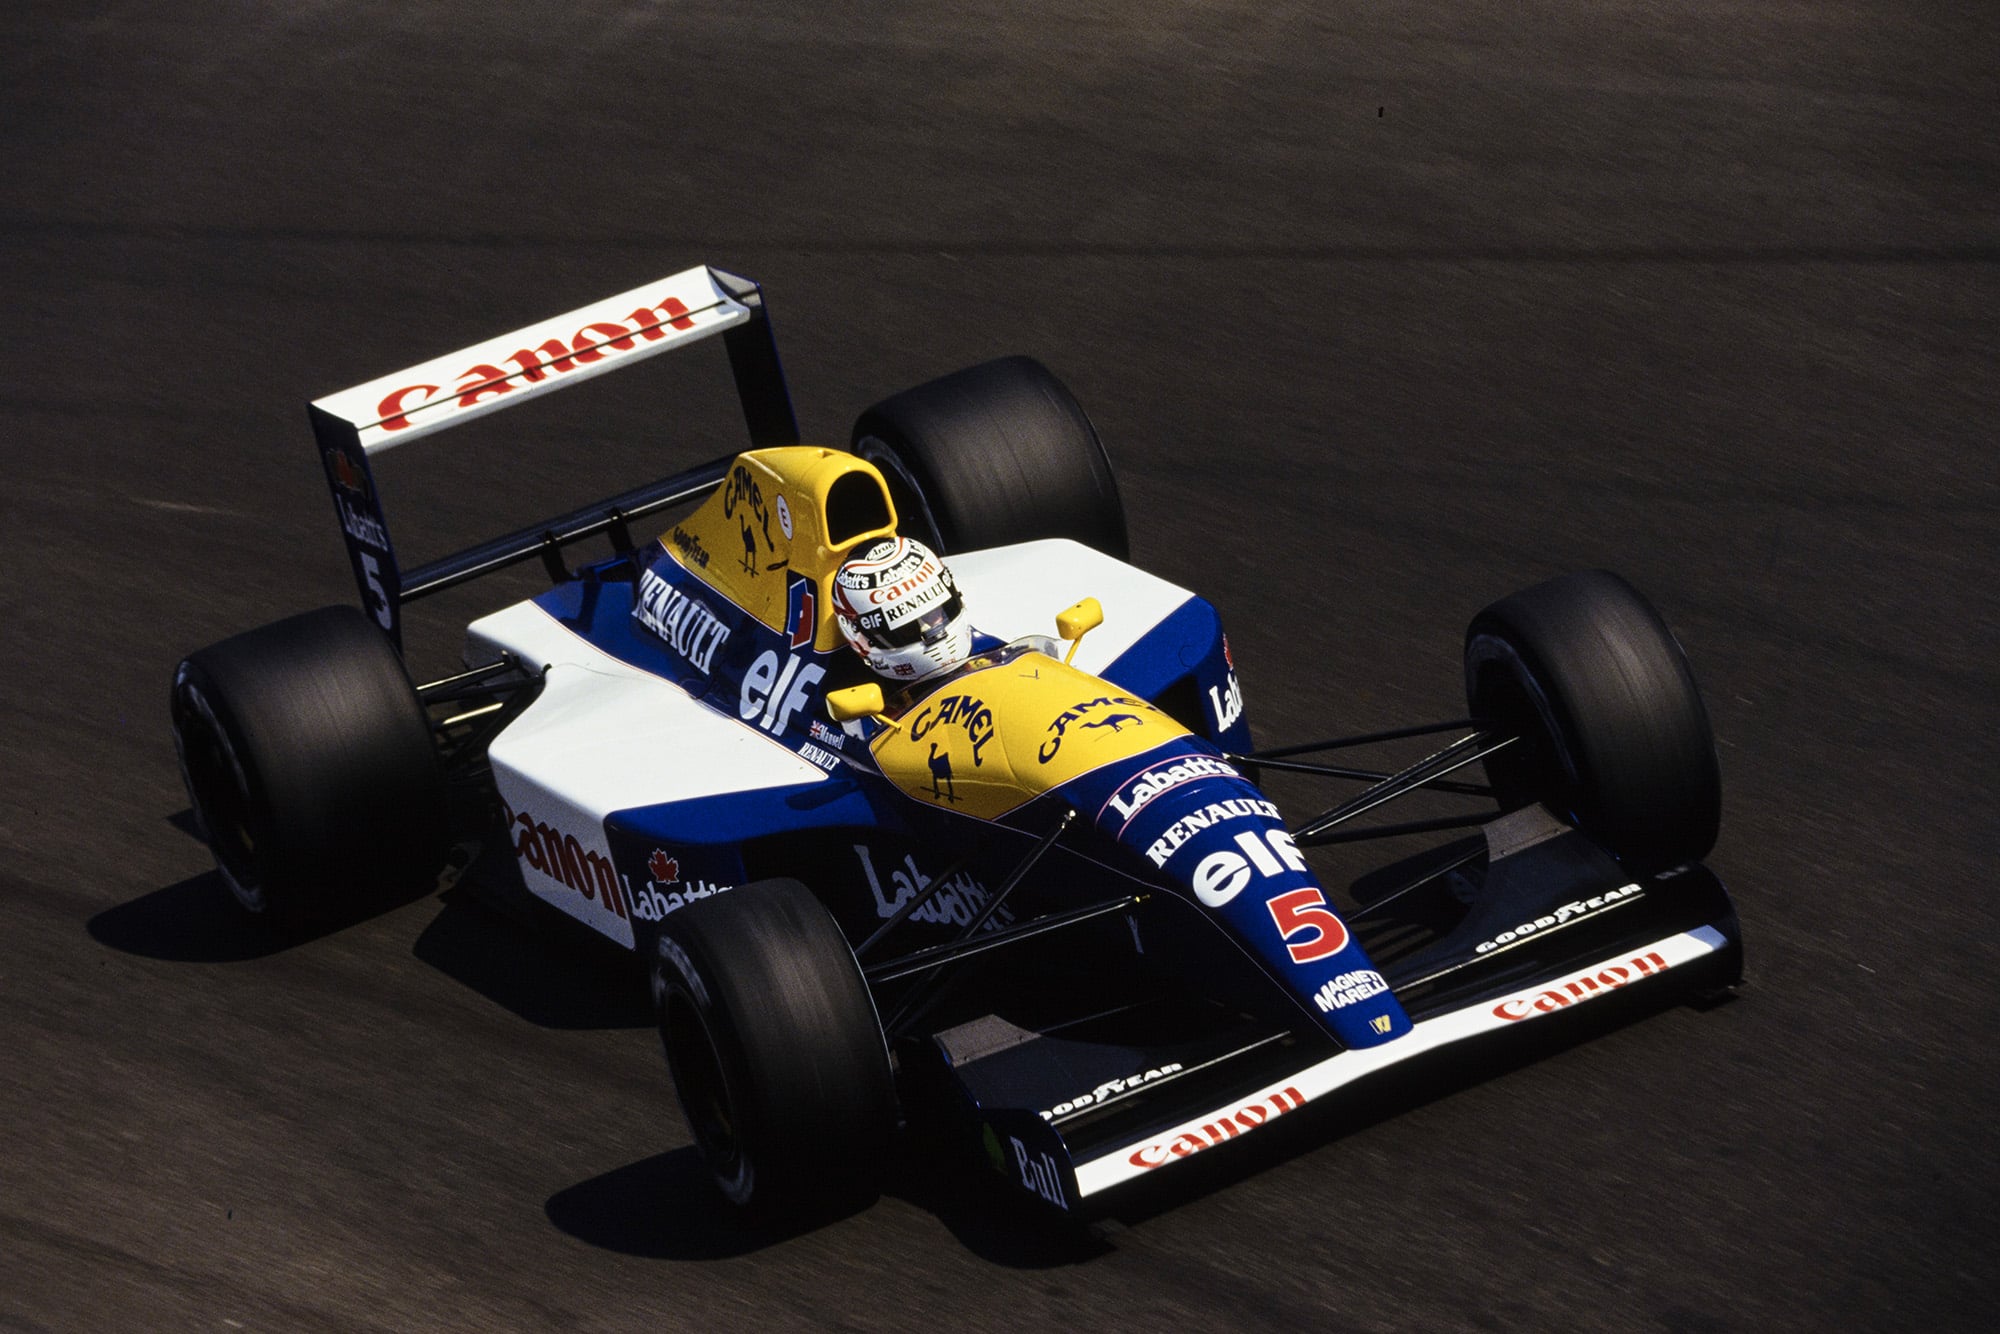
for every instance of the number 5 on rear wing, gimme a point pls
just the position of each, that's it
(354, 425)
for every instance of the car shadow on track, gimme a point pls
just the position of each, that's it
(197, 921)
(532, 968)
(190, 922)
(666, 1208)
(661, 1208)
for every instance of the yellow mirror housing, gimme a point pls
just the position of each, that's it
(1079, 621)
(862, 701)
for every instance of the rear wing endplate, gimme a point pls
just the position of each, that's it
(352, 426)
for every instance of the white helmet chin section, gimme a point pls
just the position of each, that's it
(899, 608)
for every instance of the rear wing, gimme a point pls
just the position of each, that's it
(352, 426)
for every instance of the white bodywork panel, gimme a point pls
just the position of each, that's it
(605, 736)
(601, 737)
(1015, 591)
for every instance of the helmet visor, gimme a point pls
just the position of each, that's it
(918, 629)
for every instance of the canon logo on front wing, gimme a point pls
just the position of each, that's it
(536, 364)
(1219, 1131)
(1582, 987)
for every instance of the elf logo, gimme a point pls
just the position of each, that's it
(1221, 876)
(773, 695)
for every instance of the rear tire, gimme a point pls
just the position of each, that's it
(309, 762)
(1612, 728)
(776, 1050)
(992, 455)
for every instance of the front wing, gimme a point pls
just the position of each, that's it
(1068, 1122)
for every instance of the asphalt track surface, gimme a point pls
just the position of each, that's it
(1385, 311)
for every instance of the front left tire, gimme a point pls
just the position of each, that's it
(1611, 727)
(776, 1050)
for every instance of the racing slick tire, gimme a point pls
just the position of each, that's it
(1612, 728)
(994, 454)
(776, 1050)
(309, 763)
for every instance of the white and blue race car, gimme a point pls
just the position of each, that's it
(1039, 899)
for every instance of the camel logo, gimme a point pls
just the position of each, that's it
(743, 491)
(941, 787)
(962, 711)
(1074, 714)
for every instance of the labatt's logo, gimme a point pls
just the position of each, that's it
(1227, 703)
(666, 892)
(535, 364)
(960, 900)
(1582, 987)
(362, 526)
(1139, 793)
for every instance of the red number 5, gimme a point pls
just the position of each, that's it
(1301, 909)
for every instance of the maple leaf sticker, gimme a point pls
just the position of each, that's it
(665, 869)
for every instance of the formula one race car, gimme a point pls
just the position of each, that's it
(1040, 897)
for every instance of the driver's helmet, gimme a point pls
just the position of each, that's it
(900, 608)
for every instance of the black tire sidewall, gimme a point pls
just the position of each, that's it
(343, 788)
(993, 455)
(763, 975)
(1613, 728)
